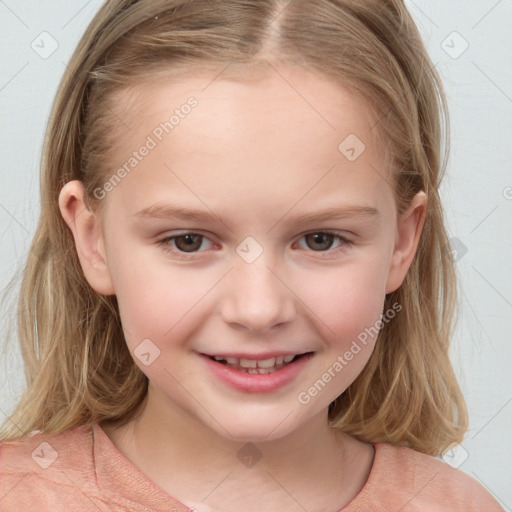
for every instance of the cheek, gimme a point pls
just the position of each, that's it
(347, 306)
(160, 312)
(346, 301)
(155, 301)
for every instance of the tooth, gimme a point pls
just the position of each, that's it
(218, 358)
(267, 363)
(231, 360)
(248, 363)
(279, 360)
(287, 359)
(265, 370)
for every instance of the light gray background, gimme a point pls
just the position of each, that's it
(477, 191)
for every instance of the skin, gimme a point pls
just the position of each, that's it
(257, 153)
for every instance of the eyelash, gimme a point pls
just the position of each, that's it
(164, 243)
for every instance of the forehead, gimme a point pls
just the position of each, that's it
(233, 94)
(278, 130)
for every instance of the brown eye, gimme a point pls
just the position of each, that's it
(319, 241)
(188, 243)
(326, 243)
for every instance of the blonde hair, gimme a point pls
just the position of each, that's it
(78, 368)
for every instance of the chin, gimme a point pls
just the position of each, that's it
(258, 427)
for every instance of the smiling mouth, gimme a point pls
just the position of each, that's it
(254, 366)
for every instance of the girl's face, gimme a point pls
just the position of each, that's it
(254, 221)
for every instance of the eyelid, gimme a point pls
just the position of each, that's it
(178, 234)
(345, 242)
(165, 240)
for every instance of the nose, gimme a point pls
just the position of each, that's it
(256, 297)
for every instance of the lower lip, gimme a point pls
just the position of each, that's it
(256, 382)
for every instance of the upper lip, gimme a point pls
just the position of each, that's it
(256, 357)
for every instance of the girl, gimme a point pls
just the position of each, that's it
(238, 296)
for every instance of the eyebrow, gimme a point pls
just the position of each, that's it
(166, 211)
(334, 213)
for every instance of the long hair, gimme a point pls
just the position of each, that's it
(78, 368)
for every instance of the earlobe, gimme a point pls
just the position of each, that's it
(410, 226)
(88, 236)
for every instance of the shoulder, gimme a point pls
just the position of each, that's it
(406, 480)
(37, 470)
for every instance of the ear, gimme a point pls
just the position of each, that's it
(88, 235)
(410, 226)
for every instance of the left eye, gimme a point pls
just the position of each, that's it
(323, 240)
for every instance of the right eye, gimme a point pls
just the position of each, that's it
(187, 242)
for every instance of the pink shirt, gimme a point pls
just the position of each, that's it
(82, 471)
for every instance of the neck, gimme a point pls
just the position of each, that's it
(158, 440)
